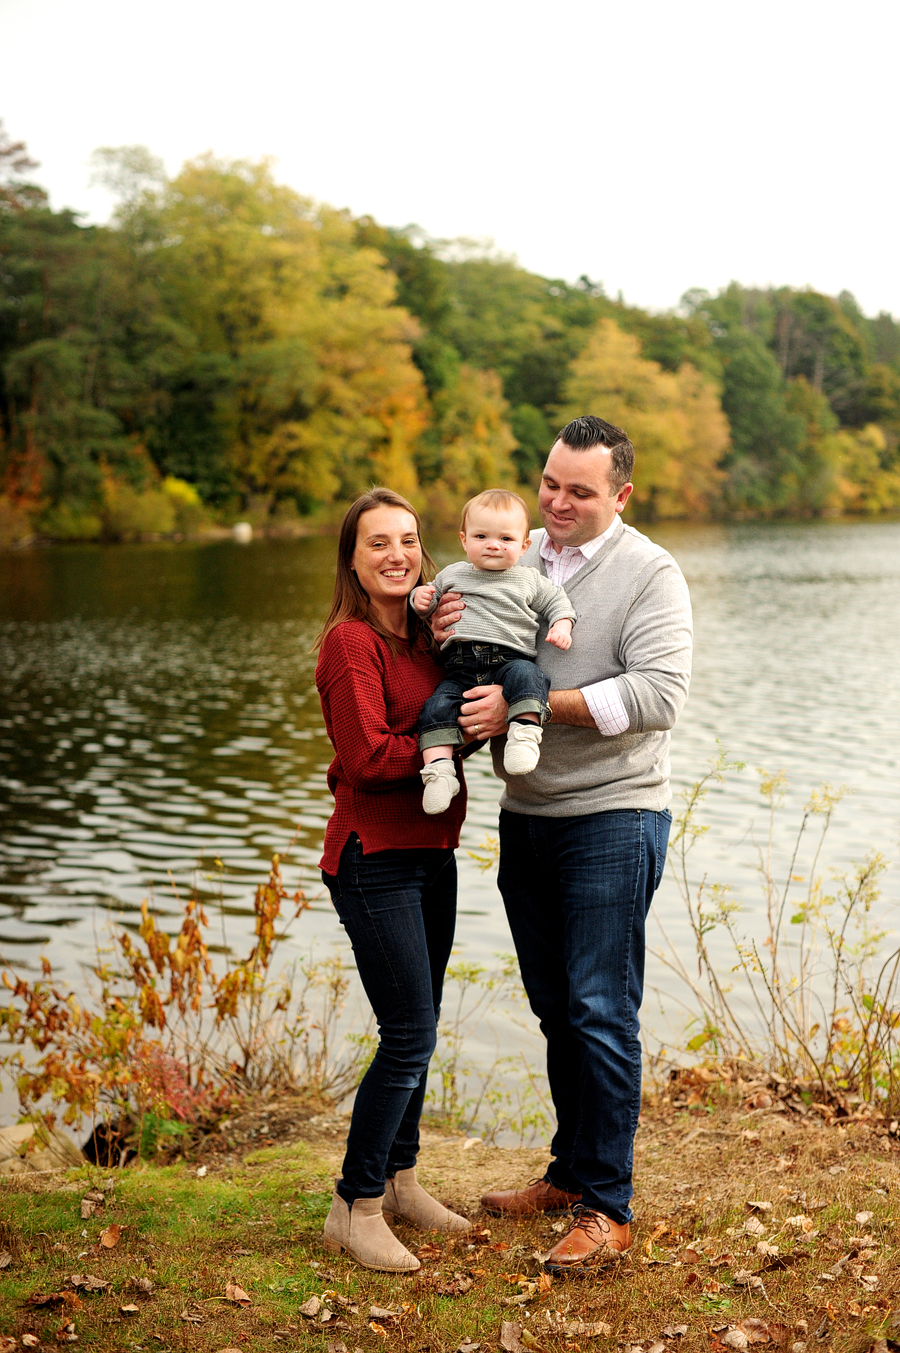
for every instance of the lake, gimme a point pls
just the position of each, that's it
(160, 728)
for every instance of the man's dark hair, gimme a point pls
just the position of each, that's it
(584, 433)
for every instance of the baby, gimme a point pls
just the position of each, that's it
(493, 643)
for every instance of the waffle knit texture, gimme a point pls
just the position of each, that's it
(502, 608)
(371, 703)
(634, 624)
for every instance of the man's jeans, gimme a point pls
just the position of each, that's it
(525, 689)
(577, 891)
(398, 908)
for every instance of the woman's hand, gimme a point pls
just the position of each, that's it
(450, 609)
(484, 714)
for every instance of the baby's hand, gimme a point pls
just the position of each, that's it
(423, 597)
(560, 634)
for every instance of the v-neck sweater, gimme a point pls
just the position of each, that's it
(634, 625)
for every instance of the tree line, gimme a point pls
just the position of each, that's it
(226, 346)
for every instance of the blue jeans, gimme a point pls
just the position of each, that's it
(577, 891)
(525, 689)
(398, 908)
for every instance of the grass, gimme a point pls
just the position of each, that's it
(256, 1220)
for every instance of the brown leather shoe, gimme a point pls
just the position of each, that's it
(591, 1240)
(538, 1196)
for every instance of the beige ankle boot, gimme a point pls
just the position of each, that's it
(404, 1197)
(362, 1232)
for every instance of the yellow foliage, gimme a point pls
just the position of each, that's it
(675, 420)
(863, 483)
(476, 440)
(327, 396)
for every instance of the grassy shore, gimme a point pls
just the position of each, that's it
(222, 1251)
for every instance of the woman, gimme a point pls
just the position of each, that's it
(390, 869)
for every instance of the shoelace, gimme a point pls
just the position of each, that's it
(584, 1218)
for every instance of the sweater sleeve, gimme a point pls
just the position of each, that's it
(656, 649)
(550, 601)
(350, 679)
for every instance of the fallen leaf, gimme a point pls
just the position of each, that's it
(90, 1203)
(7, 1343)
(657, 1347)
(241, 1253)
(89, 1282)
(193, 1317)
(721, 1261)
(744, 1278)
(588, 1329)
(431, 1251)
(691, 1256)
(467, 1346)
(753, 1227)
(529, 1341)
(544, 1282)
(765, 1249)
(383, 1313)
(52, 1299)
(233, 1292)
(334, 1346)
(837, 1169)
(130, 1309)
(757, 1205)
(863, 1218)
(30, 1341)
(67, 1334)
(735, 1338)
(800, 1223)
(378, 1329)
(756, 1330)
(854, 1309)
(111, 1236)
(511, 1337)
(141, 1285)
(749, 1136)
(673, 1332)
(201, 1171)
(870, 1281)
(5, 1259)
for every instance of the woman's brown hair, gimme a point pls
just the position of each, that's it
(351, 600)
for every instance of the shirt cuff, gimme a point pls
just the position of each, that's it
(606, 707)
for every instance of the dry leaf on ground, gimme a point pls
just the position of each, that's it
(29, 1341)
(311, 1308)
(863, 1218)
(130, 1309)
(193, 1316)
(111, 1236)
(758, 1205)
(5, 1259)
(141, 1285)
(39, 1299)
(234, 1292)
(88, 1282)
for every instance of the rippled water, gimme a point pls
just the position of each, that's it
(159, 725)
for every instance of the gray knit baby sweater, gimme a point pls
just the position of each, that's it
(503, 607)
(634, 624)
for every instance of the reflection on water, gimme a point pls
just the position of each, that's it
(159, 723)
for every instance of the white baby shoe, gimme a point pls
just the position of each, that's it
(441, 785)
(523, 748)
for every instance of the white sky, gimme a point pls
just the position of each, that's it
(654, 146)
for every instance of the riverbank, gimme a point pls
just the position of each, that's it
(751, 1227)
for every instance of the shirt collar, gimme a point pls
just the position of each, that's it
(588, 550)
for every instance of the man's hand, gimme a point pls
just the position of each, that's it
(422, 598)
(560, 634)
(484, 714)
(450, 609)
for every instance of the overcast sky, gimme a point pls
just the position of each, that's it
(654, 146)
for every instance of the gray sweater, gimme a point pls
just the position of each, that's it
(634, 624)
(503, 607)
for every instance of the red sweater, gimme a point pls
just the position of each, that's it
(371, 702)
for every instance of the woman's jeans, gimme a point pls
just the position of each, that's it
(577, 891)
(525, 689)
(398, 908)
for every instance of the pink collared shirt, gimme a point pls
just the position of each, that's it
(602, 698)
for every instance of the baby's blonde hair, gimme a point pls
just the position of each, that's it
(502, 499)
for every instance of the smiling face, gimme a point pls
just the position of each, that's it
(494, 539)
(388, 557)
(576, 501)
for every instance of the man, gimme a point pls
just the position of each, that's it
(583, 838)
